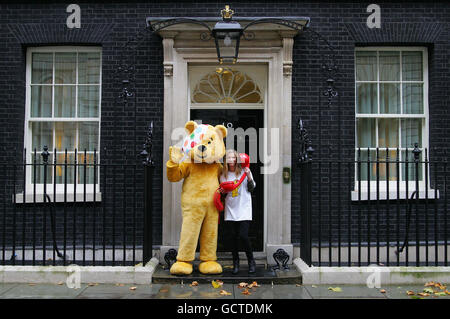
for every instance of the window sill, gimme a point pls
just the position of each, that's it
(432, 194)
(59, 198)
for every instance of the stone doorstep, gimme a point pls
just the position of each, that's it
(88, 274)
(380, 275)
(263, 275)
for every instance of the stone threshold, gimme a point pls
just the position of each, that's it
(264, 275)
(372, 276)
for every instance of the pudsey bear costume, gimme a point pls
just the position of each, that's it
(197, 163)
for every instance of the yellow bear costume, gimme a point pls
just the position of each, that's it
(203, 147)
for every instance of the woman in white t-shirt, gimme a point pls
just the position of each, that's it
(238, 207)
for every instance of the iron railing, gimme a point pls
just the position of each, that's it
(383, 206)
(74, 209)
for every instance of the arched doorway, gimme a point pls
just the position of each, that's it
(235, 97)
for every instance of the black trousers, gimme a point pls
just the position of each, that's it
(240, 234)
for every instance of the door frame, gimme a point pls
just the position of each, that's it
(278, 58)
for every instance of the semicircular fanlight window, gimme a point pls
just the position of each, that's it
(226, 86)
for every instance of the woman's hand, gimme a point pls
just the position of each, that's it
(248, 173)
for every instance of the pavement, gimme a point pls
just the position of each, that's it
(207, 291)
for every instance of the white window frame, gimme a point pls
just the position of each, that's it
(425, 131)
(59, 196)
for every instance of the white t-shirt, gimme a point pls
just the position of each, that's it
(238, 203)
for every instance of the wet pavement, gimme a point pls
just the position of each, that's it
(207, 291)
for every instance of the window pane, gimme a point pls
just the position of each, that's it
(411, 132)
(37, 175)
(65, 68)
(88, 133)
(65, 101)
(65, 136)
(366, 66)
(389, 66)
(89, 68)
(41, 101)
(63, 171)
(412, 66)
(383, 165)
(42, 68)
(366, 132)
(367, 98)
(388, 133)
(364, 172)
(88, 100)
(411, 166)
(86, 171)
(413, 98)
(389, 98)
(42, 133)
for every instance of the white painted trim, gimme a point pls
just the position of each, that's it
(29, 119)
(276, 54)
(424, 116)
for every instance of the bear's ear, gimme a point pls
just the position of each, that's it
(190, 126)
(222, 130)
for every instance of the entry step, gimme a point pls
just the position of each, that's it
(263, 275)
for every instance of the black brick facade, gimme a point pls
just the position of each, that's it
(111, 24)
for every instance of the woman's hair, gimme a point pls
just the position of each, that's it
(238, 163)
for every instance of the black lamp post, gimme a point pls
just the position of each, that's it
(227, 35)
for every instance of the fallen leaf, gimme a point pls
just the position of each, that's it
(298, 285)
(133, 288)
(428, 290)
(335, 289)
(423, 294)
(193, 284)
(430, 284)
(415, 297)
(442, 294)
(216, 283)
(60, 283)
(410, 293)
(383, 291)
(313, 286)
(31, 284)
(225, 293)
(447, 292)
(255, 284)
(228, 267)
(243, 285)
(120, 285)
(246, 292)
(164, 290)
(92, 284)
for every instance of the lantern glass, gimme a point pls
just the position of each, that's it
(227, 36)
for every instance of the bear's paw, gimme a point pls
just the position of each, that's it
(181, 268)
(210, 268)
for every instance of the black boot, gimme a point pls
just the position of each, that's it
(235, 266)
(251, 263)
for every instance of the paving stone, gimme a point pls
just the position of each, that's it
(360, 292)
(5, 287)
(273, 292)
(202, 291)
(399, 292)
(42, 291)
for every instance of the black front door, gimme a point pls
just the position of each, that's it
(241, 119)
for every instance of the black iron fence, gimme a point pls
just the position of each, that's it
(71, 208)
(377, 206)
